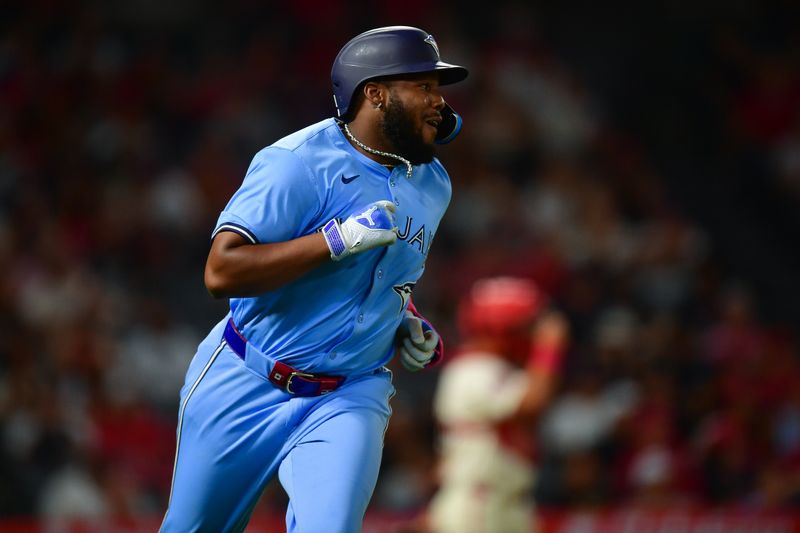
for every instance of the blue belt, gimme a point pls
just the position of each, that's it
(280, 374)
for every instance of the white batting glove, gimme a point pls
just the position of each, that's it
(417, 342)
(369, 228)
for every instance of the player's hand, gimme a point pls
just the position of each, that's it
(368, 228)
(549, 344)
(417, 342)
(551, 331)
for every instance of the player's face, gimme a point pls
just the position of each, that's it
(516, 343)
(412, 116)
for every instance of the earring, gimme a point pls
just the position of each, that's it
(378, 105)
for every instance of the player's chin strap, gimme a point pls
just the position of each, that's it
(378, 152)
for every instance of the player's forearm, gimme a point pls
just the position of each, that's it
(540, 389)
(544, 363)
(237, 269)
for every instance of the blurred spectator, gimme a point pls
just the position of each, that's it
(654, 467)
(787, 160)
(73, 493)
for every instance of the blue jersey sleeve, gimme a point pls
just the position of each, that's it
(278, 200)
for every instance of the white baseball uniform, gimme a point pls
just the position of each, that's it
(485, 485)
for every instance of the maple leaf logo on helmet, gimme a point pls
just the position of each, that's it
(431, 41)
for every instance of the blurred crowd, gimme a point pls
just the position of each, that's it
(125, 127)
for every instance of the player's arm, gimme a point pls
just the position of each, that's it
(237, 267)
(548, 346)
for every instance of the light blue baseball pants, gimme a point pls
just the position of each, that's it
(235, 429)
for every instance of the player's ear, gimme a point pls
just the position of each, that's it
(374, 93)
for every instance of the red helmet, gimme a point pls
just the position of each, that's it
(499, 306)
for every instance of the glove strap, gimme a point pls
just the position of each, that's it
(334, 238)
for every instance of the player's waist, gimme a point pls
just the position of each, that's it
(283, 376)
(347, 343)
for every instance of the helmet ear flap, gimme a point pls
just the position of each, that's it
(450, 126)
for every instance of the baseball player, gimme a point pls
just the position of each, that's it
(319, 251)
(486, 402)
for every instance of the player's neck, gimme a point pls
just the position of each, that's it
(489, 345)
(367, 133)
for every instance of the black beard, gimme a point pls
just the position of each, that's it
(400, 130)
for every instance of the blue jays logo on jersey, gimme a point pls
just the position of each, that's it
(404, 292)
(431, 41)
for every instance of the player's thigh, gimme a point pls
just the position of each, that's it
(331, 470)
(231, 428)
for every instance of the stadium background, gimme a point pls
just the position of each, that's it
(642, 163)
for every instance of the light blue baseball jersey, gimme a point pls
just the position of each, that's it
(235, 428)
(341, 317)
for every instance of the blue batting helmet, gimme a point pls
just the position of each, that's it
(387, 52)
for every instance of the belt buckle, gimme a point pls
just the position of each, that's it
(292, 376)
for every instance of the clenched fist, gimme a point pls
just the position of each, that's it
(368, 228)
(417, 342)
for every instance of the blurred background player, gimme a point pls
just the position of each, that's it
(486, 403)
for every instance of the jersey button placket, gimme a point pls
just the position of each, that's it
(392, 185)
(360, 318)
